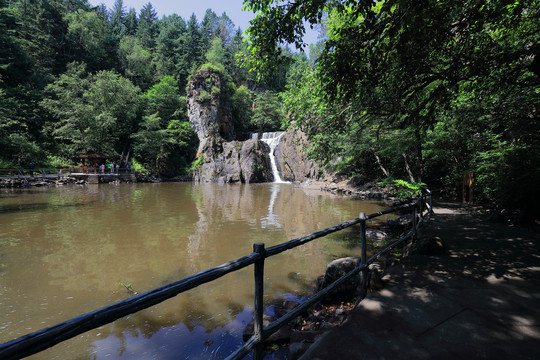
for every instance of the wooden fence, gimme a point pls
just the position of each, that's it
(43, 339)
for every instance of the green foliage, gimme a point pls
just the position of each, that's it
(136, 61)
(204, 97)
(216, 53)
(91, 108)
(150, 144)
(95, 113)
(404, 190)
(198, 163)
(164, 151)
(217, 68)
(164, 99)
(268, 113)
(147, 26)
(85, 28)
(215, 91)
(242, 102)
(57, 162)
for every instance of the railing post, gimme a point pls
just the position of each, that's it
(363, 258)
(414, 221)
(258, 305)
(430, 202)
(421, 206)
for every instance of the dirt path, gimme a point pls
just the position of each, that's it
(481, 300)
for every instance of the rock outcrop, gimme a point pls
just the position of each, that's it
(291, 158)
(234, 161)
(208, 115)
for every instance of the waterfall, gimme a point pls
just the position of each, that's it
(272, 139)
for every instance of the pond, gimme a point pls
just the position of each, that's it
(69, 250)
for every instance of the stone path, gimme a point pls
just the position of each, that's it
(481, 300)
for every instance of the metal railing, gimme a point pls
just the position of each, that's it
(48, 337)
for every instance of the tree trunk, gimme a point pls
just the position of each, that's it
(408, 168)
(383, 169)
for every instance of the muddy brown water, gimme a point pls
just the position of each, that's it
(66, 251)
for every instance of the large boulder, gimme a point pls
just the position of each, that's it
(291, 158)
(234, 161)
(346, 291)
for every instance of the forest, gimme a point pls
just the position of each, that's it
(77, 79)
(398, 90)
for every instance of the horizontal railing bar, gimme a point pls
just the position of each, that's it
(42, 339)
(389, 211)
(388, 248)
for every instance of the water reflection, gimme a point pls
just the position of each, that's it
(64, 251)
(271, 220)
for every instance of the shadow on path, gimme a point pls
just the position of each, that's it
(481, 300)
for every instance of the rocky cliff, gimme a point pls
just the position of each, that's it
(209, 116)
(234, 161)
(291, 158)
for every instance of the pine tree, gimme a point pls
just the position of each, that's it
(147, 27)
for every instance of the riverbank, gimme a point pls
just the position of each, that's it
(351, 187)
(75, 178)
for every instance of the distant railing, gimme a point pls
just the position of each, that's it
(48, 337)
(26, 173)
(106, 171)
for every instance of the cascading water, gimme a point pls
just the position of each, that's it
(272, 139)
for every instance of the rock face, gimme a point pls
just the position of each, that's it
(209, 117)
(291, 159)
(235, 161)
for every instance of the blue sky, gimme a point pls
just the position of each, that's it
(185, 8)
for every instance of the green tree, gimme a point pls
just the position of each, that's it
(94, 112)
(184, 143)
(136, 62)
(268, 113)
(86, 29)
(190, 51)
(164, 100)
(169, 45)
(216, 53)
(42, 33)
(242, 103)
(131, 22)
(118, 20)
(15, 65)
(147, 26)
(151, 143)
(166, 151)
